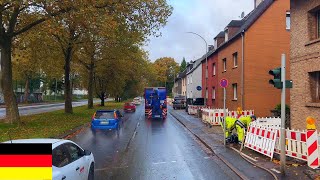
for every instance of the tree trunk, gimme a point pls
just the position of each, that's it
(90, 86)
(26, 91)
(12, 112)
(102, 99)
(67, 85)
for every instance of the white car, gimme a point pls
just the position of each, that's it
(69, 160)
(136, 101)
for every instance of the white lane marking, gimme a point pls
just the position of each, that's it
(252, 159)
(134, 134)
(173, 161)
(159, 163)
(275, 170)
(206, 157)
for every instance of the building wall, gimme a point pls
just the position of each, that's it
(305, 56)
(212, 80)
(196, 77)
(265, 41)
(184, 86)
(233, 74)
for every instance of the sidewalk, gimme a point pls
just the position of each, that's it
(213, 138)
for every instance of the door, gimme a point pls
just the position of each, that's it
(61, 162)
(78, 161)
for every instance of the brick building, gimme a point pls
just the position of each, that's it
(305, 58)
(249, 48)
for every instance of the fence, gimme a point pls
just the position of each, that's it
(296, 146)
(214, 116)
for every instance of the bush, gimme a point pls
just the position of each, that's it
(278, 108)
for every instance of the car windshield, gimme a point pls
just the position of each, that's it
(104, 115)
(128, 104)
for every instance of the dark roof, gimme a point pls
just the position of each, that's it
(196, 64)
(255, 14)
(235, 23)
(247, 21)
(220, 35)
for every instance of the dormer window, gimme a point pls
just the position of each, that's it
(226, 32)
(215, 43)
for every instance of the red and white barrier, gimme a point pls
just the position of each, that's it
(261, 139)
(296, 144)
(273, 123)
(299, 144)
(313, 149)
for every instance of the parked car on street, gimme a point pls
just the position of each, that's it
(106, 119)
(129, 107)
(69, 160)
(179, 102)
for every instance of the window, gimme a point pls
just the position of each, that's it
(288, 20)
(224, 62)
(74, 151)
(314, 23)
(235, 59)
(206, 93)
(104, 115)
(213, 93)
(235, 88)
(226, 35)
(60, 156)
(214, 69)
(215, 43)
(314, 78)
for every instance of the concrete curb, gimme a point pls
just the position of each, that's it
(71, 131)
(234, 169)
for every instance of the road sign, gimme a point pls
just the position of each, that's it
(223, 82)
(199, 88)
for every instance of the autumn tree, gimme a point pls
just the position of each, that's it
(165, 68)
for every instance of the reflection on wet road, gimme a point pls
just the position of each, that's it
(150, 149)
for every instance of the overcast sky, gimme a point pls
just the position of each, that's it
(205, 17)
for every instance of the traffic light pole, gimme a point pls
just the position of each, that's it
(283, 115)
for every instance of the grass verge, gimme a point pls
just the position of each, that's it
(50, 124)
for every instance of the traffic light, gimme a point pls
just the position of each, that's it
(276, 81)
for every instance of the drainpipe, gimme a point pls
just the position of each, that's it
(242, 71)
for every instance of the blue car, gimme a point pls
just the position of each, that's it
(106, 119)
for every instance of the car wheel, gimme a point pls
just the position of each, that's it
(91, 172)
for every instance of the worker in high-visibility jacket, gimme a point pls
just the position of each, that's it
(242, 123)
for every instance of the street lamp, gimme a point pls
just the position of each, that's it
(206, 78)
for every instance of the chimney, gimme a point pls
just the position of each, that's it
(257, 2)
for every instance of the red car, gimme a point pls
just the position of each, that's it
(129, 107)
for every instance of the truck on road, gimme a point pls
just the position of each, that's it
(155, 102)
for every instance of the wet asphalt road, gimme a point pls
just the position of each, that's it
(151, 149)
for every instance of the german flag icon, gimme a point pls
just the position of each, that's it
(25, 161)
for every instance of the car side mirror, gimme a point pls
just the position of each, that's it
(87, 153)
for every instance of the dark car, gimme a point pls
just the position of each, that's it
(179, 102)
(106, 119)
